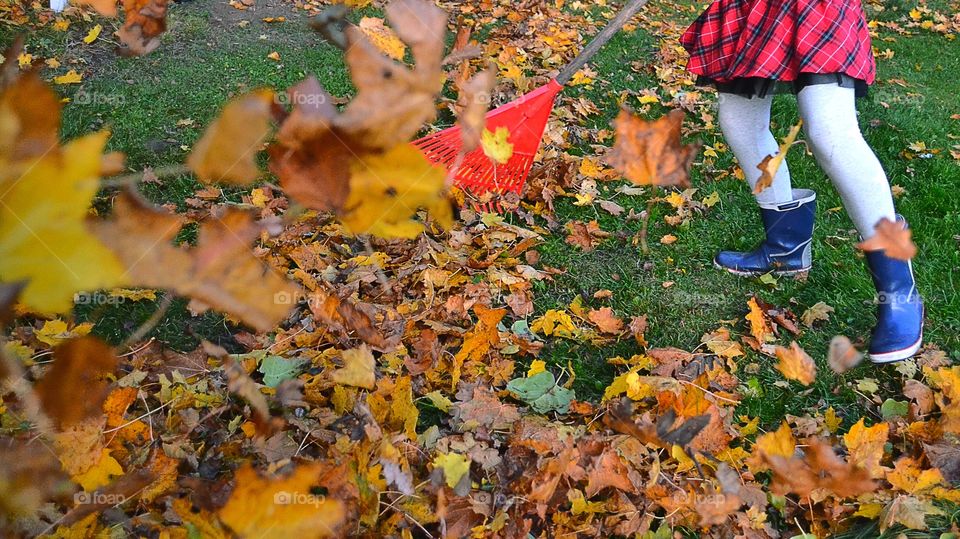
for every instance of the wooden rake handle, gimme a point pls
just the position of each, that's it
(600, 40)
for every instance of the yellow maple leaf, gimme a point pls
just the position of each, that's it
(54, 332)
(496, 145)
(100, 474)
(24, 60)
(70, 77)
(865, 445)
(43, 236)
(287, 506)
(387, 189)
(478, 341)
(61, 25)
(555, 323)
(779, 443)
(358, 370)
(93, 34)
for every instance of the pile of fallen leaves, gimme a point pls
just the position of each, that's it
(389, 382)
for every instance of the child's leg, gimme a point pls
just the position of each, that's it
(745, 123)
(830, 119)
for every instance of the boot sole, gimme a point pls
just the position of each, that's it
(897, 355)
(903, 353)
(744, 273)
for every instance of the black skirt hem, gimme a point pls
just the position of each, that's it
(762, 87)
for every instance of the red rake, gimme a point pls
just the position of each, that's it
(525, 118)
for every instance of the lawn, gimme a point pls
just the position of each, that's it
(156, 108)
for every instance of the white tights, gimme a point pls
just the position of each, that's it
(833, 134)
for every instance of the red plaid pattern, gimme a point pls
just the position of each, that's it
(779, 39)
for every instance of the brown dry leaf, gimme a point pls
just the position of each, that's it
(286, 506)
(221, 271)
(608, 470)
(344, 316)
(772, 163)
(842, 356)
(819, 468)
(310, 155)
(74, 389)
(144, 21)
(227, 151)
(484, 409)
(795, 364)
(819, 312)
(865, 446)
(394, 102)
(585, 235)
(651, 153)
(31, 119)
(605, 320)
(638, 326)
(474, 101)
(892, 238)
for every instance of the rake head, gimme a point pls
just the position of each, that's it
(525, 118)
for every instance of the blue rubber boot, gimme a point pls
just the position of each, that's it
(787, 250)
(899, 330)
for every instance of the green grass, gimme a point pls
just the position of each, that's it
(702, 296)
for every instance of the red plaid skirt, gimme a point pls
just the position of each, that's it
(780, 40)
